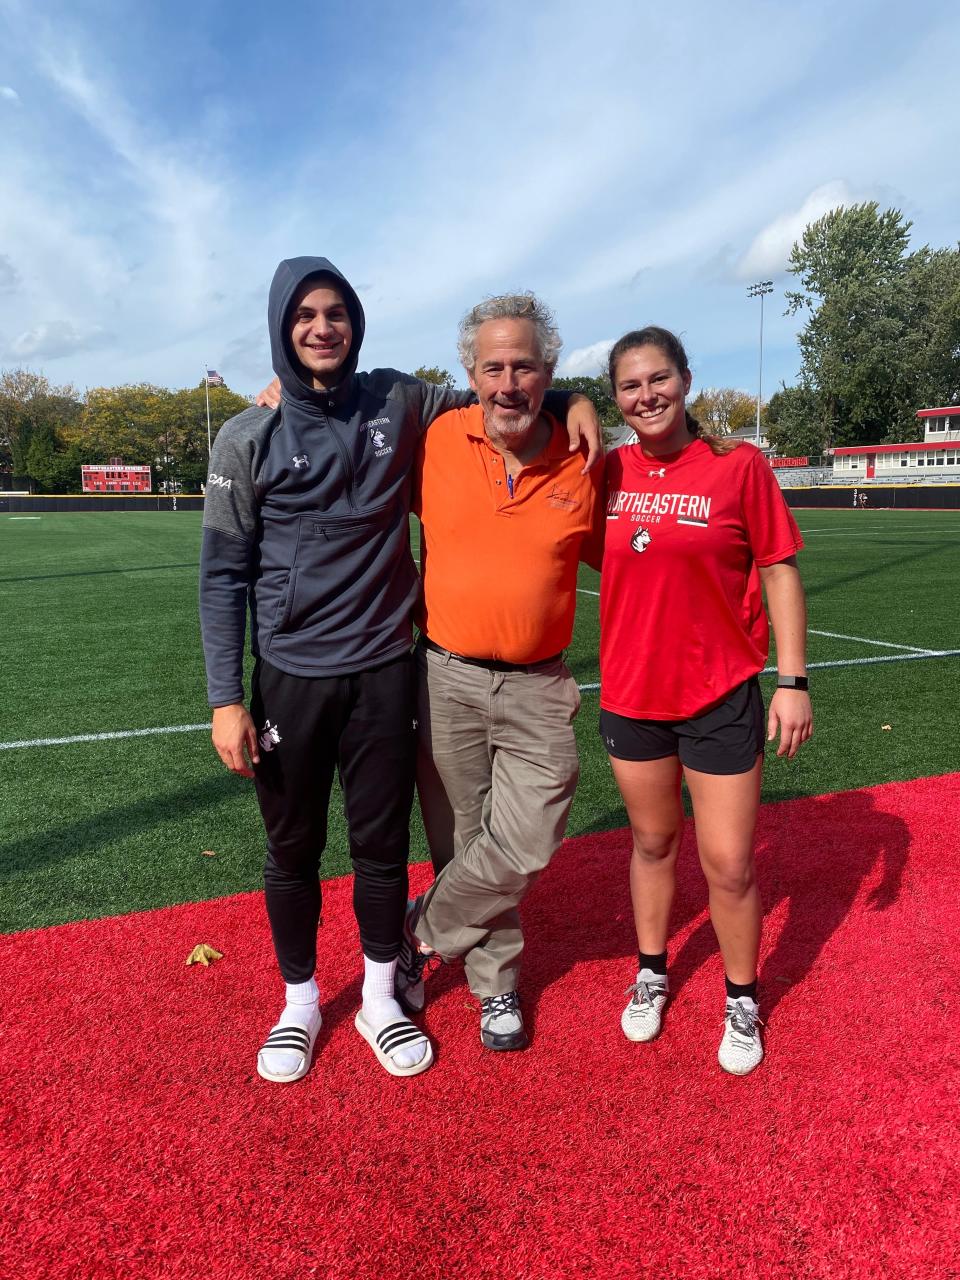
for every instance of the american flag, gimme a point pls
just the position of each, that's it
(214, 379)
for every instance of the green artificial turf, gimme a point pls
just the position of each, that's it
(101, 634)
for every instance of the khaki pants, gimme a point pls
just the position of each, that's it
(496, 772)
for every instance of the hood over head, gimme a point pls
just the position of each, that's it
(287, 279)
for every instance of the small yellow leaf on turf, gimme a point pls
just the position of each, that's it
(203, 953)
(209, 853)
(886, 726)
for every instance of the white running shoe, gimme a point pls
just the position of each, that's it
(741, 1049)
(643, 1015)
(501, 1023)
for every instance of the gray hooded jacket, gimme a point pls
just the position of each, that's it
(306, 513)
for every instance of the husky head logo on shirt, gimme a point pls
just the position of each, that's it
(269, 736)
(641, 539)
(378, 438)
(300, 460)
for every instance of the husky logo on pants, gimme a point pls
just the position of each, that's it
(269, 736)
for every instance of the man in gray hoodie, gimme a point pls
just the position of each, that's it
(306, 524)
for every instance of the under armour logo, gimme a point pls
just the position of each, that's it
(659, 472)
(300, 460)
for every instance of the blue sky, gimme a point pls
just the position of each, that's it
(629, 163)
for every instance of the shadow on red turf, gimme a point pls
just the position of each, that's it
(811, 871)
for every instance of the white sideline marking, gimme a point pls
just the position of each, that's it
(883, 644)
(904, 535)
(584, 592)
(24, 517)
(924, 656)
(103, 737)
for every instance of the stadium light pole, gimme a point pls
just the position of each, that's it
(760, 290)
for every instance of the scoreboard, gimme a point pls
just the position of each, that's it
(114, 477)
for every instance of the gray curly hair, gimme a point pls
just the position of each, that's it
(510, 306)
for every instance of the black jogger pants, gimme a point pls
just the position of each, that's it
(363, 725)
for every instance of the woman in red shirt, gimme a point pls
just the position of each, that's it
(697, 531)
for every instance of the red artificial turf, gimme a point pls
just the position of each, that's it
(139, 1142)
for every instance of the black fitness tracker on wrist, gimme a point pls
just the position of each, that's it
(793, 682)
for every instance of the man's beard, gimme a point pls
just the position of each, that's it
(508, 428)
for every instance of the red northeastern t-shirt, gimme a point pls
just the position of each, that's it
(682, 621)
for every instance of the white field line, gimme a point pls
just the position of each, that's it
(24, 517)
(883, 644)
(925, 656)
(904, 535)
(868, 524)
(103, 737)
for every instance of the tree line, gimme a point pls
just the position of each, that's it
(47, 432)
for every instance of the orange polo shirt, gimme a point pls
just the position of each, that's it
(500, 569)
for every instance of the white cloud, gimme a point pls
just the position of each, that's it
(51, 341)
(8, 94)
(586, 361)
(770, 251)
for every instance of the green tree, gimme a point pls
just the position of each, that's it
(794, 423)
(185, 429)
(598, 390)
(881, 337)
(28, 402)
(125, 422)
(439, 377)
(53, 464)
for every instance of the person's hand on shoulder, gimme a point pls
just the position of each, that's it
(235, 738)
(583, 427)
(269, 397)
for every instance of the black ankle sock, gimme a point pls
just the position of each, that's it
(656, 964)
(737, 989)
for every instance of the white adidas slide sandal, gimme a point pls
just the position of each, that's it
(290, 1039)
(395, 1035)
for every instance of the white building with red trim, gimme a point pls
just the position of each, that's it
(935, 457)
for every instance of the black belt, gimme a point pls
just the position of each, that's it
(490, 664)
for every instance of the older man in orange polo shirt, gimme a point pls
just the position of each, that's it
(506, 514)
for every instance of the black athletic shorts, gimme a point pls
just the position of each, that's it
(724, 740)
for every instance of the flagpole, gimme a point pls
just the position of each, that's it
(206, 388)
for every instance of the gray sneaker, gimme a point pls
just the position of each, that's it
(501, 1023)
(642, 1017)
(741, 1049)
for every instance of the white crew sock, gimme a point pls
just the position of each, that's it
(302, 1009)
(380, 1008)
